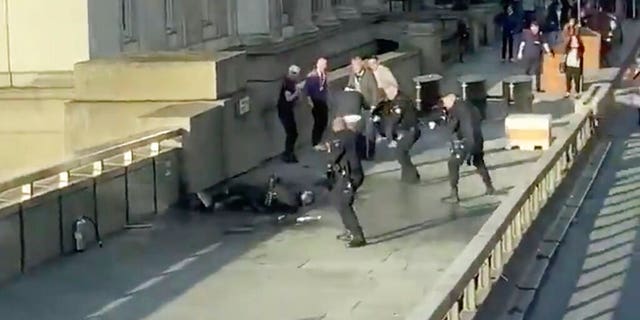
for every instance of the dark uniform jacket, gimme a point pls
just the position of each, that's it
(347, 102)
(406, 112)
(368, 87)
(343, 153)
(464, 122)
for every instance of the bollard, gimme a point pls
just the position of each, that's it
(427, 92)
(473, 89)
(516, 91)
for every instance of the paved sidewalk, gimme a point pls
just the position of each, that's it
(187, 267)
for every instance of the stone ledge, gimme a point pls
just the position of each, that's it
(171, 76)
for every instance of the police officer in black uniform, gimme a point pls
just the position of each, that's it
(530, 52)
(348, 175)
(464, 123)
(404, 117)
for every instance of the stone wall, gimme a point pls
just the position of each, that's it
(223, 143)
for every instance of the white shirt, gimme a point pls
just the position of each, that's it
(573, 60)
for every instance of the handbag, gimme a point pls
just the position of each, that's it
(563, 67)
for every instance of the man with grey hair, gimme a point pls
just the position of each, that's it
(289, 94)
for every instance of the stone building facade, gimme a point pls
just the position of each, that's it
(40, 40)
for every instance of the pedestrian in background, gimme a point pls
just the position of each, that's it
(530, 52)
(508, 22)
(462, 34)
(316, 86)
(574, 53)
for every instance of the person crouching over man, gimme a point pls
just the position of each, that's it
(467, 145)
(362, 80)
(347, 177)
(289, 94)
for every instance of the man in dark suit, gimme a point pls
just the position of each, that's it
(364, 81)
(467, 145)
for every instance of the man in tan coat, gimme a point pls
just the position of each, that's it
(384, 77)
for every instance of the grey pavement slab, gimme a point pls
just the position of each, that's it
(187, 267)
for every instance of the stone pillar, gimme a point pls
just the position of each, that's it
(302, 18)
(259, 21)
(372, 6)
(348, 10)
(42, 39)
(476, 27)
(427, 38)
(327, 17)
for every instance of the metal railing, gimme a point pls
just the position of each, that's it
(95, 160)
(463, 288)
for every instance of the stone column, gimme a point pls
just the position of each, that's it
(327, 17)
(302, 17)
(259, 21)
(372, 6)
(476, 27)
(348, 10)
(427, 38)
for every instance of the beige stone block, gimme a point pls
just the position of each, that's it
(528, 131)
(174, 76)
(202, 145)
(89, 124)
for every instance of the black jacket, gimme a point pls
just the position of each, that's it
(465, 123)
(241, 197)
(346, 102)
(343, 153)
(406, 111)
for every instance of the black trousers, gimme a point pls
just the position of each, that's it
(463, 44)
(507, 45)
(342, 199)
(408, 171)
(320, 113)
(288, 120)
(477, 159)
(574, 75)
(533, 67)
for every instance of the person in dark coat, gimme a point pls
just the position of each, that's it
(462, 34)
(316, 86)
(530, 52)
(509, 24)
(350, 104)
(467, 146)
(287, 99)
(348, 176)
(405, 117)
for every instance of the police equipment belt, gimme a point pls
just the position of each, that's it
(457, 148)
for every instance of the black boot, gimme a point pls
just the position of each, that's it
(486, 179)
(357, 239)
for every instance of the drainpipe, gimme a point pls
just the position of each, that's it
(6, 28)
